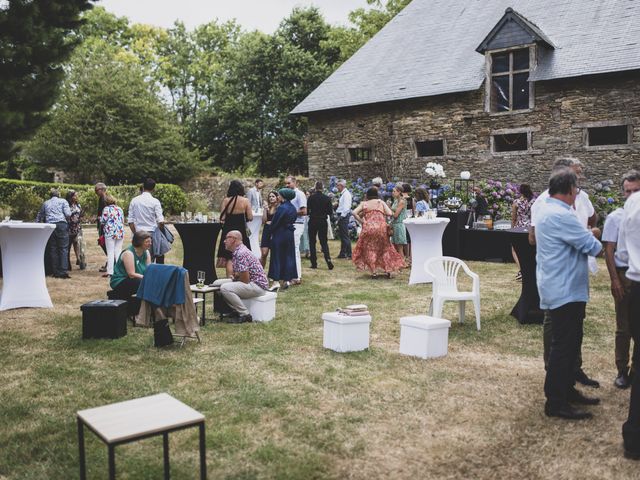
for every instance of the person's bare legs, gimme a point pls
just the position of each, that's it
(264, 252)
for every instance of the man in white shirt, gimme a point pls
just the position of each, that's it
(300, 202)
(583, 209)
(344, 212)
(629, 240)
(255, 195)
(620, 285)
(145, 212)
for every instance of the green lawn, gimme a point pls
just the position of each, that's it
(280, 406)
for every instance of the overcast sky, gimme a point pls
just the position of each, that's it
(264, 15)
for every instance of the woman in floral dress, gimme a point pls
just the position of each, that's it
(112, 222)
(521, 216)
(75, 228)
(373, 252)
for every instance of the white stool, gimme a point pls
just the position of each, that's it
(344, 333)
(262, 308)
(423, 336)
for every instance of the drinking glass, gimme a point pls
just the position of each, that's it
(201, 277)
(205, 218)
(188, 216)
(182, 217)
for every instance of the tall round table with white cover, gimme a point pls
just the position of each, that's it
(426, 243)
(254, 225)
(24, 283)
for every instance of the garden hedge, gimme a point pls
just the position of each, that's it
(18, 196)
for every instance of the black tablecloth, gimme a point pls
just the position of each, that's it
(199, 241)
(451, 235)
(485, 245)
(527, 310)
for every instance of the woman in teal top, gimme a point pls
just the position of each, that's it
(399, 209)
(130, 267)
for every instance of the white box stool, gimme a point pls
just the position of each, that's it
(423, 336)
(262, 308)
(344, 333)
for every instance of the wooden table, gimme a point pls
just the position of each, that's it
(203, 291)
(125, 422)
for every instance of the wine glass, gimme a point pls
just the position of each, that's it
(201, 277)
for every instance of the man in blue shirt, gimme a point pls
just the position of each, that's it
(563, 245)
(56, 211)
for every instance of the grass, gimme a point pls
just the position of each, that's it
(280, 406)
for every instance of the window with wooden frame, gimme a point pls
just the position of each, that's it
(430, 148)
(512, 141)
(510, 89)
(607, 134)
(359, 154)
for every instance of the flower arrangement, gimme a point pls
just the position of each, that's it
(434, 170)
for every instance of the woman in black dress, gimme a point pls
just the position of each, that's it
(268, 213)
(235, 212)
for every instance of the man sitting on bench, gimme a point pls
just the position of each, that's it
(249, 279)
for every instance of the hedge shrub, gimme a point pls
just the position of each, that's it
(25, 193)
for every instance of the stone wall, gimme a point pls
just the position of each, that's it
(556, 123)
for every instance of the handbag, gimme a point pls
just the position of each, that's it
(101, 241)
(161, 333)
(248, 231)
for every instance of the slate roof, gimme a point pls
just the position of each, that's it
(429, 48)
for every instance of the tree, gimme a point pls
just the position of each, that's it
(110, 125)
(35, 41)
(369, 22)
(248, 123)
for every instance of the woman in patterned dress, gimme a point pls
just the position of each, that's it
(373, 251)
(521, 216)
(112, 221)
(399, 208)
(75, 228)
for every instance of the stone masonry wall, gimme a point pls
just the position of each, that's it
(557, 122)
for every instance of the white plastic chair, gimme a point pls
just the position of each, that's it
(444, 271)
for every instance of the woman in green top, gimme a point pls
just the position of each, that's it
(399, 209)
(131, 265)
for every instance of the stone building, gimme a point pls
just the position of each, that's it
(498, 87)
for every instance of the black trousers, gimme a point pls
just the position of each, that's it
(58, 247)
(631, 428)
(343, 232)
(125, 289)
(566, 338)
(318, 227)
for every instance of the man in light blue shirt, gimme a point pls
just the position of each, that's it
(344, 213)
(56, 211)
(563, 245)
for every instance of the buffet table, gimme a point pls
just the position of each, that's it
(426, 243)
(488, 245)
(24, 283)
(254, 225)
(199, 242)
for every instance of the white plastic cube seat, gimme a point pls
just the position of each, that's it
(344, 333)
(423, 336)
(262, 308)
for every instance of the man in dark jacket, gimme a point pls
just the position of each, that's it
(318, 208)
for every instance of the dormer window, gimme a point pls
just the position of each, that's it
(510, 89)
(510, 50)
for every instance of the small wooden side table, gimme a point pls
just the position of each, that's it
(125, 422)
(203, 290)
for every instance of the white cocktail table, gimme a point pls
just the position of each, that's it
(426, 243)
(254, 225)
(23, 245)
(133, 420)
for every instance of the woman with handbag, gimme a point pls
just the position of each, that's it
(235, 213)
(373, 251)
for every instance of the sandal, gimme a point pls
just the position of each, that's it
(519, 276)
